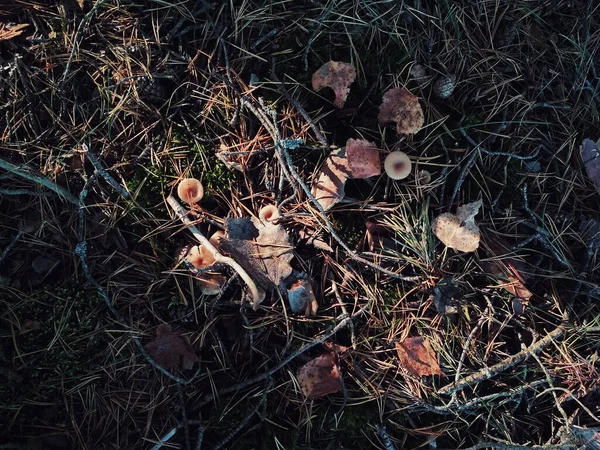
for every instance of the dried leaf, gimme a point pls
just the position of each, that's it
(586, 438)
(302, 298)
(320, 377)
(241, 228)
(43, 265)
(591, 160)
(329, 186)
(170, 349)
(417, 357)
(459, 231)
(363, 158)
(399, 106)
(267, 259)
(336, 75)
(9, 31)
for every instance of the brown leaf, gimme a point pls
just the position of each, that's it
(11, 31)
(329, 186)
(417, 357)
(399, 106)
(320, 377)
(591, 160)
(459, 231)
(336, 75)
(363, 158)
(170, 349)
(302, 298)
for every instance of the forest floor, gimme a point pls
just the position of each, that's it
(106, 105)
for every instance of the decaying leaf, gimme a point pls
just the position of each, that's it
(267, 258)
(363, 158)
(320, 376)
(399, 106)
(329, 186)
(9, 31)
(417, 357)
(241, 228)
(585, 438)
(302, 298)
(170, 349)
(591, 160)
(336, 75)
(459, 231)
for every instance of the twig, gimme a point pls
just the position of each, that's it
(489, 372)
(9, 247)
(200, 438)
(116, 186)
(182, 214)
(164, 439)
(246, 419)
(61, 191)
(385, 438)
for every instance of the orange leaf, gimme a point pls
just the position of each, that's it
(320, 377)
(417, 357)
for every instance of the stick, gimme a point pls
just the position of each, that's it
(61, 191)
(182, 214)
(489, 372)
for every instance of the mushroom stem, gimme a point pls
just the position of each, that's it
(182, 214)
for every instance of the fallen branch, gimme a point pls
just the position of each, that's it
(489, 372)
(182, 214)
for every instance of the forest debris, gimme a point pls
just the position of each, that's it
(591, 160)
(336, 75)
(417, 357)
(588, 438)
(170, 349)
(363, 158)
(459, 231)
(267, 259)
(320, 376)
(9, 31)
(43, 265)
(302, 298)
(241, 228)
(399, 106)
(329, 187)
(444, 86)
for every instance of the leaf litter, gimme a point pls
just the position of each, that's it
(459, 231)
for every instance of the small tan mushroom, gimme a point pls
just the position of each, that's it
(423, 177)
(200, 257)
(268, 213)
(210, 284)
(190, 190)
(397, 165)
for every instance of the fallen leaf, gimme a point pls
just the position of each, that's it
(459, 231)
(302, 298)
(417, 357)
(9, 31)
(329, 186)
(591, 160)
(43, 265)
(170, 349)
(586, 438)
(241, 228)
(320, 376)
(399, 106)
(363, 158)
(267, 258)
(336, 75)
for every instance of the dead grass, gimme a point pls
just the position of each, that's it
(155, 90)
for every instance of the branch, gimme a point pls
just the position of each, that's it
(182, 214)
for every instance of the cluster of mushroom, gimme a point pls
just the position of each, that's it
(190, 191)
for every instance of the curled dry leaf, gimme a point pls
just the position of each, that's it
(459, 231)
(329, 186)
(302, 298)
(363, 158)
(417, 357)
(320, 376)
(336, 75)
(170, 349)
(399, 106)
(591, 160)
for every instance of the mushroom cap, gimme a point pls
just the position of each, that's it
(216, 237)
(397, 165)
(268, 213)
(424, 177)
(190, 190)
(210, 284)
(200, 257)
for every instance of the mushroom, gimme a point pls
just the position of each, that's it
(216, 237)
(423, 177)
(210, 284)
(397, 165)
(268, 213)
(200, 257)
(190, 190)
